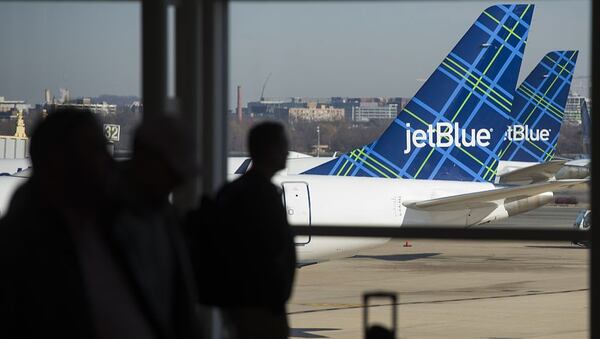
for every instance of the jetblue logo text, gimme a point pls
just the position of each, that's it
(446, 134)
(520, 133)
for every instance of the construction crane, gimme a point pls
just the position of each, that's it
(262, 92)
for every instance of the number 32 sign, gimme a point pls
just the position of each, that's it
(112, 132)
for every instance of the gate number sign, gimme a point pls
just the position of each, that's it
(112, 132)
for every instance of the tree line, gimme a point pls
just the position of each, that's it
(344, 136)
(340, 136)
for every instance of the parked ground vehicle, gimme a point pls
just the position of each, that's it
(584, 223)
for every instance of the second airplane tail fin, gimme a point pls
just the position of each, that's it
(539, 108)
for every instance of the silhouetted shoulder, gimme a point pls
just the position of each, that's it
(250, 184)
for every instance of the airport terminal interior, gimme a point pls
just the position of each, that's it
(438, 179)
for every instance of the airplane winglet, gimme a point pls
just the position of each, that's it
(532, 174)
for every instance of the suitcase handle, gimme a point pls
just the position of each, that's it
(380, 295)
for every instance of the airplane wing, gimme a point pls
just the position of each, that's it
(478, 199)
(532, 174)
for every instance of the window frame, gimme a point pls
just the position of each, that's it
(201, 33)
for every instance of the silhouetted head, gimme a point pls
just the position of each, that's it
(163, 156)
(70, 161)
(268, 146)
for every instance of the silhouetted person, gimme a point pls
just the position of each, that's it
(75, 261)
(155, 251)
(46, 286)
(257, 243)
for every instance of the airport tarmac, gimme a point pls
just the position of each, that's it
(454, 289)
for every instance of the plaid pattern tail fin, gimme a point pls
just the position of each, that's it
(454, 126)
(540, 106)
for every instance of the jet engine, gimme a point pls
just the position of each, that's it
(573, 172)
(518, 205)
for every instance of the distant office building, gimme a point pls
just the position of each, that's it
(15, 146)
(401, 102)
(272, 109)
(65, 95)
(588, 102)
(377, 107)
(86, 103)
(368, 111)
(263, 108)
(327, 109)
(10, 107)
(47, 96)
(307, 100)
(346, 104)
(573, 108)
(586, 127)
(314, 112)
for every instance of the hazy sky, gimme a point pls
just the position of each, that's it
(311, 49)
(91, 49)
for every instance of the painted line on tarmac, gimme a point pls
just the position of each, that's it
(438, 301)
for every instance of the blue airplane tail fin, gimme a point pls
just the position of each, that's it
(453, 128)
(539, 108)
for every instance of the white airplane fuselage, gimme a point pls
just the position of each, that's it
(361, 201)
(11, 166)
(8, 186)
(356, 201)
